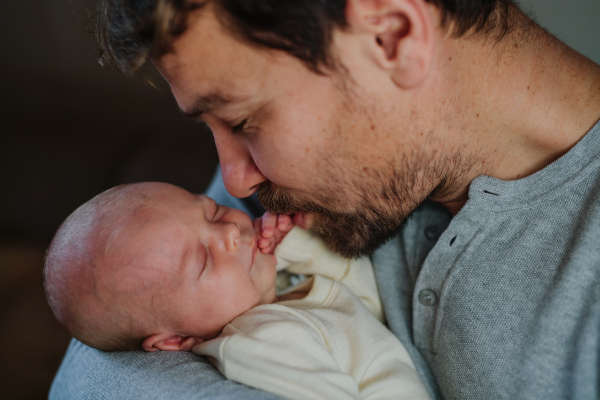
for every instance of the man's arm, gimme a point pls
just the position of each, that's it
(86, 373)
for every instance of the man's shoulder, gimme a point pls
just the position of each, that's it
(88, 373)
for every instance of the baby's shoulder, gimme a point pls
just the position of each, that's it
(273, 323)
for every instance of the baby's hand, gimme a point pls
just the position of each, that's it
(272, 229)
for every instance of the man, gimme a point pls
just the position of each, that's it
(351, 114)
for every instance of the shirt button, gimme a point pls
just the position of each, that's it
(427, 297)
(432, 232)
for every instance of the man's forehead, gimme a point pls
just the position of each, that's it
(208, 67)
(204, 46)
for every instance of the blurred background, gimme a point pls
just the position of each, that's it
(71, 129)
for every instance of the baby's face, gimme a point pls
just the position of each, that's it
(196, 262)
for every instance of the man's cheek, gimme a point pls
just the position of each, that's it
(286, 162)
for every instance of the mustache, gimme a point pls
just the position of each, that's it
(281, 200)
(352, 234)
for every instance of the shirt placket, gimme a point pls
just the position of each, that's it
(435, 273)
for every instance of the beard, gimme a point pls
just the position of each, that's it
(380, 201)
(358, 209)
(380, 212)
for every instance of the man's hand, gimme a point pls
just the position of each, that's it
(272, 229)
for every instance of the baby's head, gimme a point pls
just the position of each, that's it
(151, 266)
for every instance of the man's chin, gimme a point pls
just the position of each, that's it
(350, 236)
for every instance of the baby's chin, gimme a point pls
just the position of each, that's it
(265, 262)
(270, 296)
(265, 272)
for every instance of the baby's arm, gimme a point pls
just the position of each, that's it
(272, 229)
(276, 349)
(304, 252)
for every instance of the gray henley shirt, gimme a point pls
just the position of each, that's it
(503, 300)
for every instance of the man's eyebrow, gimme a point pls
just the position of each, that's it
(206, 104)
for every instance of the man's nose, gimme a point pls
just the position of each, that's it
(240, 174)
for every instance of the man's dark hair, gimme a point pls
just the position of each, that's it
(129, 32)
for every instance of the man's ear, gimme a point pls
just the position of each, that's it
(400, 36)
(170, 342)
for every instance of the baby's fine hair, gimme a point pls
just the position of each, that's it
(71, 264)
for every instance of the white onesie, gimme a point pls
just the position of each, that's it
(328, 345)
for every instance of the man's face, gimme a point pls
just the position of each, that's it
(315, 145)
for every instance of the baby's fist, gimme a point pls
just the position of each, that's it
(272, 228)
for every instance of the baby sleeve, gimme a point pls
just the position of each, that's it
(304, 252)
(278, 350)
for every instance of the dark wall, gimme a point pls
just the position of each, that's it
(70, 129)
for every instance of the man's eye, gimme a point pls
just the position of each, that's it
(239, 127)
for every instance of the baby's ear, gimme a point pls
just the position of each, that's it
(170, 342)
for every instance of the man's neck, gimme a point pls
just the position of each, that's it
(517, 105)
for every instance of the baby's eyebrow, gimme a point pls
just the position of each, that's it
(193, 256)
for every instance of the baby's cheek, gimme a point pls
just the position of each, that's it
(273, 269)
(267, 274)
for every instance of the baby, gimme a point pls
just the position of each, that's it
(151, 266)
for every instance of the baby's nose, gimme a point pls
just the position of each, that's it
(232, 234)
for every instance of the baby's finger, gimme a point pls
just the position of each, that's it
(267, 245)
(257, 225)
(268, 224)
(263, 244)
(284, 222)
